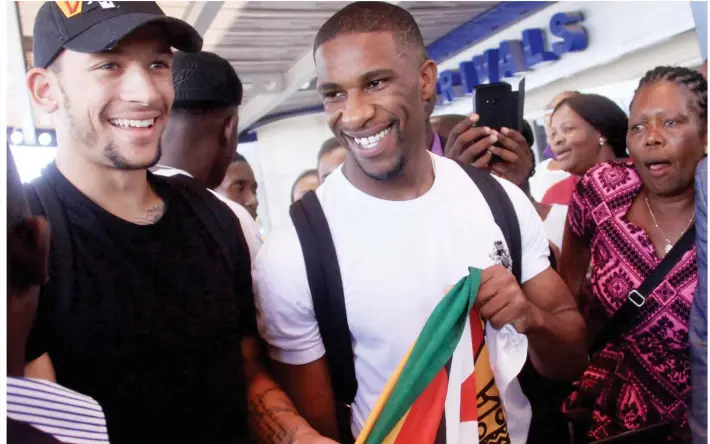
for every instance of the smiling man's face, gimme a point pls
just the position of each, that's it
(114, 104)
(374, 94)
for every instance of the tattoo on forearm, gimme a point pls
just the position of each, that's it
(267, 421)
(152, 216)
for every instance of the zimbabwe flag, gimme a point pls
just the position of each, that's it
(435, 396)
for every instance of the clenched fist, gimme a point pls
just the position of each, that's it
(501, 301)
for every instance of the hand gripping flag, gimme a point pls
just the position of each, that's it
(435, 396)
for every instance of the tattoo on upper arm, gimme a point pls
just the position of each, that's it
(152, 216)
(266, 420)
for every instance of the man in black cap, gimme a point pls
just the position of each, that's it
(149, 306)
(200, 137)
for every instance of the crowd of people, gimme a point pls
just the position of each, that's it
(143, 305)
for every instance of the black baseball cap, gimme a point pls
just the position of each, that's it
(97, 26)
(205, 80)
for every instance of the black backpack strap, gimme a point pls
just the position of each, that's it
(325, 282)
(632, 311)
(44, 200)
(503, 212)
(56, 295)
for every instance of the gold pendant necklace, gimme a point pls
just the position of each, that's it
(669, 244)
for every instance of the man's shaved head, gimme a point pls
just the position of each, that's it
(367, 17)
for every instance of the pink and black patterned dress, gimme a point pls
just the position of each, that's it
(642, 378)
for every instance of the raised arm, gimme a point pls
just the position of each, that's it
(542, 307)
(557, 332)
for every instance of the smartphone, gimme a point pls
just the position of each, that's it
(498, 106)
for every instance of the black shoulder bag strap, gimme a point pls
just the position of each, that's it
(326, 285)
(632, 311)
(503, 212)
(325, 282)
(43, 200)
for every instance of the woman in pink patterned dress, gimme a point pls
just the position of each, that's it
(622, 220)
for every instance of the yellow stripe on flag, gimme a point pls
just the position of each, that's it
(382, 400)
(392, 437)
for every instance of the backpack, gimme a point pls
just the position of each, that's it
(324, 279)
(44, 200)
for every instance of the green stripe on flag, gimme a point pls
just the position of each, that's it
(434, 347)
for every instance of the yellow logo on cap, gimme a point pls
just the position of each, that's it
(70, 9)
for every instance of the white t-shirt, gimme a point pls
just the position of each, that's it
(249, 226)
(555, 224)
(396, 260)
(544, 178)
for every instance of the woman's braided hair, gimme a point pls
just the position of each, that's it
(694, 81)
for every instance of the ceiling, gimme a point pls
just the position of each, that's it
(269, 43)
(264, 40)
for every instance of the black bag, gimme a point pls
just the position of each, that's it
(324, 280)
(622, 321)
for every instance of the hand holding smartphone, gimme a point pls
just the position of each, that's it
(491, 137)
(498, 106)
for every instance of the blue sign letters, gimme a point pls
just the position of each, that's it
(534, 47)
(469, 77)
(567, 27)
(513, 57)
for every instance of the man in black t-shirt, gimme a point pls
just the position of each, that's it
(148, 310)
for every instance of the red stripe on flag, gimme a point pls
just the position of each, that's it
(469, 410)
(469, 403)
(426, 413)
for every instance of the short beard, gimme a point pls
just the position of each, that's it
(391, 173)
(119, 162)
(396, 170)
(110, 151)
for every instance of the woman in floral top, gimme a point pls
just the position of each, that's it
(623, 219)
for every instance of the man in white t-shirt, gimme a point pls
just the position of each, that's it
(406, 225)
(200, 137)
